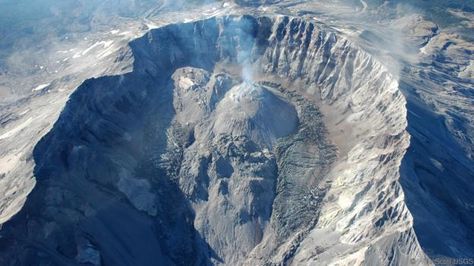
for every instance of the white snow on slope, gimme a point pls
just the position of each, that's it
(40, 87)
(12, 132)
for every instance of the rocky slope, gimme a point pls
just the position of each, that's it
(234, 140)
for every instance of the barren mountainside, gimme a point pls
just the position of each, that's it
(242, 138)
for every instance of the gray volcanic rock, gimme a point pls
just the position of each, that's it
(249, 110)
(186, 160)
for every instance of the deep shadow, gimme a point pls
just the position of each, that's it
(437, 182)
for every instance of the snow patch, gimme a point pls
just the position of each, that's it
(151, 25)
(16, 129)
(40, 87)
(105, 44)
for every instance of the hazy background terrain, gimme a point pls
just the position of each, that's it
(29, 28)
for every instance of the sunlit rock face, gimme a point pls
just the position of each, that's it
(235, 140)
